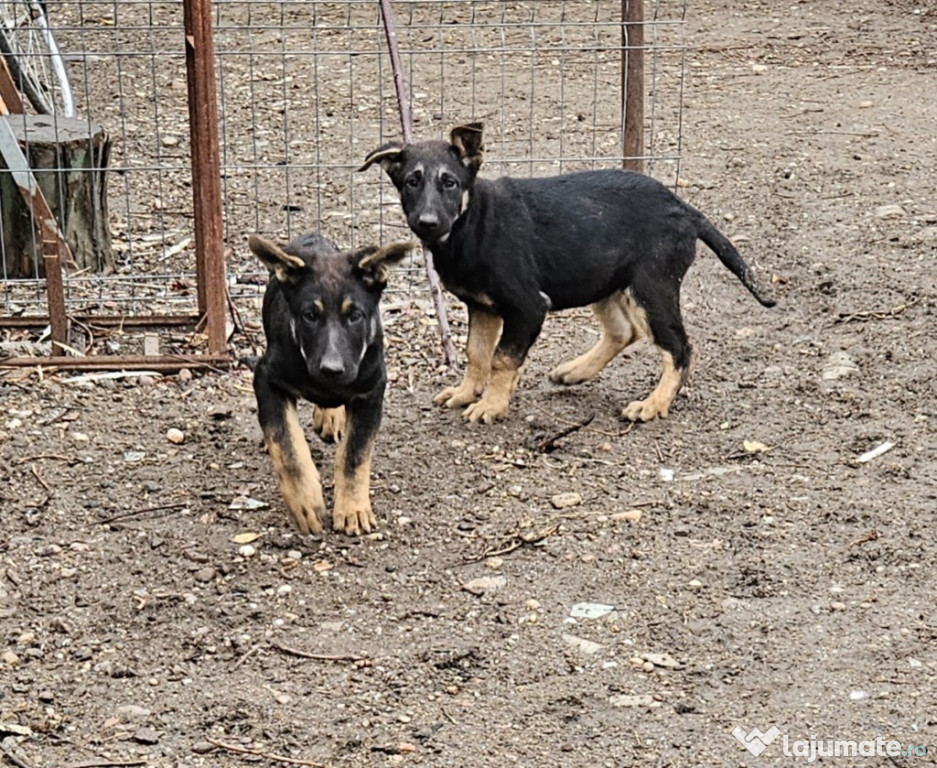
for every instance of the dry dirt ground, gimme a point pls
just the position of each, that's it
(755, 573)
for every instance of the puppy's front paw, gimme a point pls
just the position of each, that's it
(456, 397)
(329, 423)
(307, 514)
(487, 410)
(354, 517)
(645, 410)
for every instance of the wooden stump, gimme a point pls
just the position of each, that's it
(68, 157)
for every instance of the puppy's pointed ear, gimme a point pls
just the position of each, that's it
(390, 156)
(284, 266)
(374, 263)
(468, 142)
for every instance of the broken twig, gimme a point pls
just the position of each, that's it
(549, 443)
(318, 656)
(43, 483)
(145, 510)
(261, 753)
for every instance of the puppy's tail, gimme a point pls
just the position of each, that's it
(731, 258)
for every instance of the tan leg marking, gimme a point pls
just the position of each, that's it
(352, 513)
(297, 475)
(484, 329)
(658, 402)
(329, 423)
(617, 333)
(493, 405)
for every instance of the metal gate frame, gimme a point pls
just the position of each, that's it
(207, 202)
(209, 236)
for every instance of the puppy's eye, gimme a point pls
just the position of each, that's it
(355, 316)
(311, 314)
(414, 179)
(448, 182)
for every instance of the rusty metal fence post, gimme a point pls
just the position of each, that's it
(206, 170)
(632, 84)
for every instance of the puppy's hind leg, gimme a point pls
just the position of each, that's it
(660, 315)
(329, 423)
(617, 333)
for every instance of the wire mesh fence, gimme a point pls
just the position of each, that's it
(305, 90)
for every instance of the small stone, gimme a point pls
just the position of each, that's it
(202, 747)
(914, 664)
(132, 712)
(532, 605)
(248, 550)
(647, 666)
(629, 515)
(889, 212)
(664, 660)
(865, 104)
(695, 584)
(759, 68)
(9, 658)
(205, 574)
(485, 584)
(494, 563)
(857, 695)
(586, 646)
(284, 589)
(27, 638)
(170, 141)
(566, 500)
(838, 606)
(631, 700)
(146, 735)
(174, 435)
(294, 554)
(46, 696)
(838, 366)
(185, 375)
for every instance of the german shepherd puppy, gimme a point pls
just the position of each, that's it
(514, 248)
(325, 343)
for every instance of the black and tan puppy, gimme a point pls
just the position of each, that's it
(514, 248)
(325, 343)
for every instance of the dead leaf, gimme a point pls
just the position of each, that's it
(245, 538)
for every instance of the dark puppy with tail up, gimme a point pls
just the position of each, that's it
(325, 344)
(513, 249)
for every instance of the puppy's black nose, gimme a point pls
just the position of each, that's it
(429, 220)
(332, 367)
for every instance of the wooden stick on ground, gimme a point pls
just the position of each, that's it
(260, 753)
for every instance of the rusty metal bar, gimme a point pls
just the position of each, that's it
(206, 170)
(106, 321)
(403, 106)
(632, 84)
(8, 91)
(162, 363)
(54, 248)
